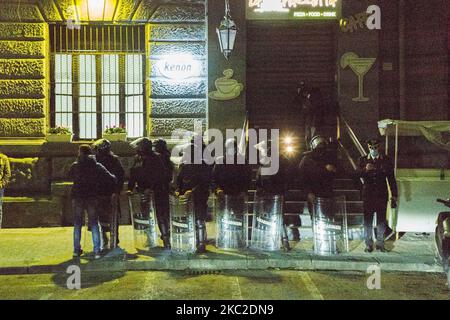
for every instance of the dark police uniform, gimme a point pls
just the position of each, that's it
(197, 179)
(375, 194)
(276, 184)
(149, 173)
(233, 179)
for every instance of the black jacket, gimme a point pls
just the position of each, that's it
(276, 184)
(90, 178)
(168, 166)
(194, 177)
(231, 178)
(314, 176)
(376, 181)
(113, 165)
(148, 173)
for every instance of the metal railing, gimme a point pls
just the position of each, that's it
(343, 124)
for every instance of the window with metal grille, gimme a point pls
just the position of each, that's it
(98, 79)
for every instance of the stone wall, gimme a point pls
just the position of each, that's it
(176, 29)
(23, 81)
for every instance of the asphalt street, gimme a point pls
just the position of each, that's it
(234, 285)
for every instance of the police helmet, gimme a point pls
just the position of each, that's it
(160, 145)
(143, 145)
(101, 146)
(318, 142)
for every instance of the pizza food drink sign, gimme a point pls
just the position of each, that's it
(293, 9)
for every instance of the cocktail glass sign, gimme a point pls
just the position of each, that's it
(293, 9)
(179, 67)
(360, 66)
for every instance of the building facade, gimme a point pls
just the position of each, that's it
(156, 68)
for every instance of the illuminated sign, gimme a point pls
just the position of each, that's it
(293, 9)
(179, 67)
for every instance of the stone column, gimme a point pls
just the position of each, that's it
(24, 57)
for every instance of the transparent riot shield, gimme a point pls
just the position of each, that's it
(142, 210)
(231, 221)
(115, 221)
(182, 224)
(267, 223)
(330, 226)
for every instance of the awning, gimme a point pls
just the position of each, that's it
(437, 132)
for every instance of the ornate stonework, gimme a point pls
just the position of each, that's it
(22, 89)
(22, 69)
(28, 175)
(22, 12)
(22, 49)
(9, 31)
(22, 108)
(23, 83)
(22, 128)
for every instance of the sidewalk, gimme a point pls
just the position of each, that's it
(49, 250)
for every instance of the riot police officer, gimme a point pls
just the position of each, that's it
(162, 204)
(276, 184)
(377, 172)
(109, 197)
(194, 178)
(231, 181)
(149, 175)
(231, 175)
(317, 171)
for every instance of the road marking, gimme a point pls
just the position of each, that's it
(236, 293)
(310, 286)
(149, 289)
(46, 296)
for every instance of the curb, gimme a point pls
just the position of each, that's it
(358, 265)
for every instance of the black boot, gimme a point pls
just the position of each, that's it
(201, 240)
(105, 241)
(381, 248)
(165, 236)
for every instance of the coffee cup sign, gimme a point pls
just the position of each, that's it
(179, 67)
(227, 88)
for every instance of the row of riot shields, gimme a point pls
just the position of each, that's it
(233, 224)
(143, 219)
(330, 227)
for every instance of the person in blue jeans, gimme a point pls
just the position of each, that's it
(89, 179)
(5, 176)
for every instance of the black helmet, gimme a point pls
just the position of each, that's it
(101, 146)
(160, 145)
(143, 145)
(318, 142)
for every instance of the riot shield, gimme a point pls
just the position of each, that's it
(267, 222)
(330, 226)
(231, 221)
(115, 221)
(142, 210)
(182, 224)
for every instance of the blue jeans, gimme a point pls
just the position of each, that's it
(2, 192)
(78, 207)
